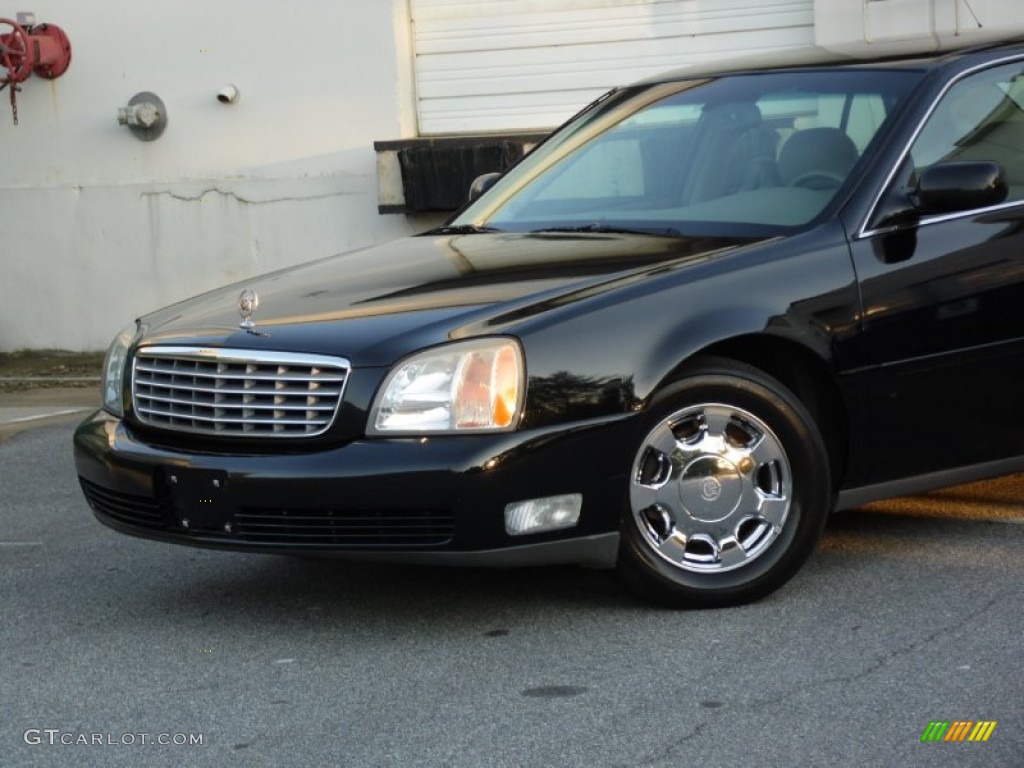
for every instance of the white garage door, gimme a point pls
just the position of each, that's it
(487, 66)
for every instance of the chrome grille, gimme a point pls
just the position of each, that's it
(237, 392)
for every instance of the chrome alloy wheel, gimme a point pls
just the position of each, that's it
(710, 488)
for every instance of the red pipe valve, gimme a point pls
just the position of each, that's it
(43, 48)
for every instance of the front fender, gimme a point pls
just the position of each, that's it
(612, 354)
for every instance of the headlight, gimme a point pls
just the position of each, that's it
(469, 386)
(113, 370)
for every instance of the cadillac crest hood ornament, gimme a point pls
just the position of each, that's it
(248, 301)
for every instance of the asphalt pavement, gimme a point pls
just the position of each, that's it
(908, 613)
(41, 405)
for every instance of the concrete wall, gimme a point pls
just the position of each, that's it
(97, 227)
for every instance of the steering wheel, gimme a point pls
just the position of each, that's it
(814, 179)
(16, 53)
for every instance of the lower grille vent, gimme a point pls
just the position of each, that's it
(128, 508)
(349, 528)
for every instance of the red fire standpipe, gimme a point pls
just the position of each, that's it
(43, 49)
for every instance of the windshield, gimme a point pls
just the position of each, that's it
(755, 154)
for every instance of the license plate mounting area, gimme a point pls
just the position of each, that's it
(199, 500)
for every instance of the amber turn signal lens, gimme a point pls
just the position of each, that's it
(506, 386)
(487, 394)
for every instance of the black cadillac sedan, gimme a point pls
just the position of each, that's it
(705, 312)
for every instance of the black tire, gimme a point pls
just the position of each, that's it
(729, 489)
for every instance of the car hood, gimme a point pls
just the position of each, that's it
(374, 305)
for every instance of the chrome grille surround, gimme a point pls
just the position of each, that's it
(237, 392)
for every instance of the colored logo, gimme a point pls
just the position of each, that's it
(958, 730)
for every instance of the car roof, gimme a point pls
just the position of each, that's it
(812, 58)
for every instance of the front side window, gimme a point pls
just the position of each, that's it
(980, 118)
(757, 153)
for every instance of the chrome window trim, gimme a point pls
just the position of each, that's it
(339, 368)
(863, 231)
(941, 217)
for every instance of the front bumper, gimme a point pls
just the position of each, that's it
(416, 500)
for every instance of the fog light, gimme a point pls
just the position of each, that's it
(548, 514)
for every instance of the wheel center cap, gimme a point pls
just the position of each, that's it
(710, 488)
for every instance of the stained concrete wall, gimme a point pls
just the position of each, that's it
(97, 227)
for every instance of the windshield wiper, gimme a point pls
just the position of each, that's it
(463, 229)
(608, 229)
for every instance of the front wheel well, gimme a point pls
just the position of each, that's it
(804, 374)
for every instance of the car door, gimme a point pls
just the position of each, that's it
(943, 297)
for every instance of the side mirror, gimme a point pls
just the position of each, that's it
(961, 186)
(481, 184)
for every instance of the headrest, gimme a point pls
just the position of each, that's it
(817, 149)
